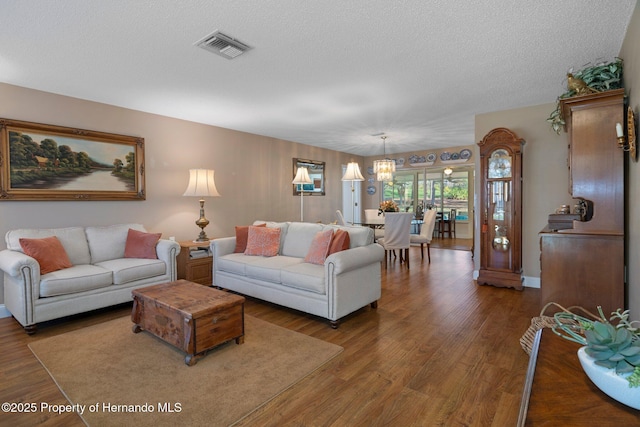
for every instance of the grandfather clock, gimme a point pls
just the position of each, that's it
(501, 209)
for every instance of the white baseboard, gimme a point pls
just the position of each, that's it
(4, 312)
(529, 282)
(532, 282)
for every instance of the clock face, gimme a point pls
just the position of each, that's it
(499, 164)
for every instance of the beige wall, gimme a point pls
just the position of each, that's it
(630, 52)
(253, 173)
(544, 172)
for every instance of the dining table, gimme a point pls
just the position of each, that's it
(416, 224)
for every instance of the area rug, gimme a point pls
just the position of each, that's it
(115, 377)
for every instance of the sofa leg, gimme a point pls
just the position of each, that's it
(374, 304)
(31, 329)
(334, 324)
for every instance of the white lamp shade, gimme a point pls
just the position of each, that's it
(353, 173)
(302, 176)
(201, 183)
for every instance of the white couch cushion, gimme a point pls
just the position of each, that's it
(236, 263)
(358, 236)
(107, 243)
(299, 237)
(73, 241)
(127, 270)
(269, 268)
(75, 279)
(307, 276)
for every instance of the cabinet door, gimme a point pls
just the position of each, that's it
(499, 226)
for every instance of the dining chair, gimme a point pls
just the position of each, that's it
(426, 233)
(341, 220)
(397, 229)
(375, 221)
(449, 225)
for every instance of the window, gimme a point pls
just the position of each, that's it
(431, 188)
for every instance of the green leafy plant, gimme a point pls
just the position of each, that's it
(600, 77)
(614, 346)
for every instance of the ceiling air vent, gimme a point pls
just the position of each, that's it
(223, 45)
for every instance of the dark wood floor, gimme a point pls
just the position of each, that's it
(438, 351)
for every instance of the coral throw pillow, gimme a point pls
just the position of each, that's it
(48, 252)
(264, 241)
(242, 234)
(340, 242)
(319, 248)
(141, 245)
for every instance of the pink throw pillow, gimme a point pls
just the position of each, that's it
(340, 242)
(49, 253)
(319, 247)
(141, 245)
(242, 235)
(264, 241)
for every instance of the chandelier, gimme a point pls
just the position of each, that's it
(384, 168)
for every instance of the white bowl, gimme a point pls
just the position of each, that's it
(614, 385)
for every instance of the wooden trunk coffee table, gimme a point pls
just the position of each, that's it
(192, 317)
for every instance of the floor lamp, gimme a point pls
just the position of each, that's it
(302, 178)
(201, 184)
(353, 174)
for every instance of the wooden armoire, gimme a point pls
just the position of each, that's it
(584, 265)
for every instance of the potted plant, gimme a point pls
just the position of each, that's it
(387, 206)
(596, 78)
(610, 355)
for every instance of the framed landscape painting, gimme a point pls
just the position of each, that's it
(47, 162)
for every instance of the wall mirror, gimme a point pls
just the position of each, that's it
(316, 173)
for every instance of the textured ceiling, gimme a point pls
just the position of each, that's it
(329, 73)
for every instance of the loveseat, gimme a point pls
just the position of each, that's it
(345, 282)
(100, 274)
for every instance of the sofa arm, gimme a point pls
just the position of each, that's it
(355, 258)
(222, 247)
(21, 284)
(14, 264)
(167, 251)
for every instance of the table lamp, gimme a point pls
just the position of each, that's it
(201, 184)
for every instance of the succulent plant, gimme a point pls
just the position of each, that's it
(612, 345)
(613, 348)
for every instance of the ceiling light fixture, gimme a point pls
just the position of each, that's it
(448, 171)
(384, 168)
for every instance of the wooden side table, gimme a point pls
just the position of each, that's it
(192, 266)
(557, 392)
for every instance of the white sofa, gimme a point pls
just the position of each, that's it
(348, 280)
(100, 276)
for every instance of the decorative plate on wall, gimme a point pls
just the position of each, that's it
(465, 154)
(445, 156)
(371, 190)
(431, 157)
(370, 170)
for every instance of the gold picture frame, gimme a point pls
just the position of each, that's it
(49, 162)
